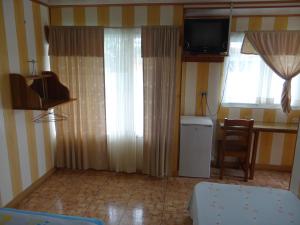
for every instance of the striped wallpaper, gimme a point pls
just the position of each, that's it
(117, 16)
(295, 181)
(274, 149)
(25, 147)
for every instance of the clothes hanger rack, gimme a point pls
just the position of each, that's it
(49, 116)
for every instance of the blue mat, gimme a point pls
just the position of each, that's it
(18, 217)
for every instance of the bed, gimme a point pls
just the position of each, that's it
(19, 217)
(224, 204)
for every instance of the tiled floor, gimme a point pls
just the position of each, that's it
(128, 199)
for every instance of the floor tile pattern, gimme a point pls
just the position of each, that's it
(129, 199)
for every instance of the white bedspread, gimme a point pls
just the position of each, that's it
(224, 204)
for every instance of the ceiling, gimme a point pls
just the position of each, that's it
(111, 2)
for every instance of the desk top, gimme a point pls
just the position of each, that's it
(272, 127)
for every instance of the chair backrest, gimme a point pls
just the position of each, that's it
(238, 132)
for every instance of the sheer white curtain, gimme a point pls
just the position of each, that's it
(124, 98)
(251, 81)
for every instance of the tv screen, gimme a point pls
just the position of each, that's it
(206, 35)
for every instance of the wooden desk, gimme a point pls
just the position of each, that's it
(258, 127)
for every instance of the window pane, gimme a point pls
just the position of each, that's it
(250, 81)
(123, 81)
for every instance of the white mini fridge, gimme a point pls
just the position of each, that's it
(196, 135)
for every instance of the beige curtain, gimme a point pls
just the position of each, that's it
(159, 46)
(81, 139)
(75, 41)
(281, 51)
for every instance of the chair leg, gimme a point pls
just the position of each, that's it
(221, 165)
(219, 154)
(246, 175)
(246, 170)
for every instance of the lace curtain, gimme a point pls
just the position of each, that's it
(124, 98)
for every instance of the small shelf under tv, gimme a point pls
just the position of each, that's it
(188, 57)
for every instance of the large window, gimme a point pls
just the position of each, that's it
(124, 97)
(123, 81)
(250, 82)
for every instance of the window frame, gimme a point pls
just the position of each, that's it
(247, 105)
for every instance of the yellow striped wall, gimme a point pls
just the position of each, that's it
(117, 16)
(274, 149)
(295, 180)
(25, 147)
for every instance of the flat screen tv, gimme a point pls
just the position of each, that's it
(206, 36)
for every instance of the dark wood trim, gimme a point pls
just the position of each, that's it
(116, 5)
(266, 15)
(40, 2)
(280, 168)
(248, 7)
(285, 131)
(208, 17)
(243, 7)
(254, 153)
(243, 2)
(238, 16)
(228, 4)
(271, 127)
(267, 6)
(294, 156)
(202, 58)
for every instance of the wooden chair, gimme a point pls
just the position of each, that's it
(237, 137)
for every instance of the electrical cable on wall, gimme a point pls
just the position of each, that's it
(221, 100)
(225, 79)
(222, 97)
(201, 105)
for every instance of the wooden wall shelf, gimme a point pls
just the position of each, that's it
(188, 57)
(45, 92)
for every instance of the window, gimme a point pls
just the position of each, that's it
(250, 82)
(123, 81)
(123, 66)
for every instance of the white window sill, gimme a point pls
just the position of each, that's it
(255, 106)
